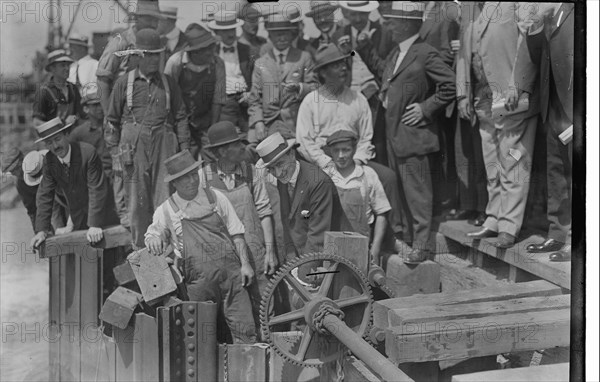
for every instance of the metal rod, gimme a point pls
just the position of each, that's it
(363, 351)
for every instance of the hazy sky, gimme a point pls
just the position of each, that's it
(24, 24)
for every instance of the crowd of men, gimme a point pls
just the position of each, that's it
(249, 149)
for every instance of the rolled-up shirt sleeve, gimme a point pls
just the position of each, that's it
(261, 197)
(227, 212)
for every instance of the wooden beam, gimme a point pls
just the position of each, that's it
(76, 242)
(510, 291)
(545, 373)
(356, 371)
(455, 339)
(429, 313)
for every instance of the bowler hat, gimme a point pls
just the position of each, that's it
(341, 136)
(405, 10)
(180, 164)
(321, 7)
(9, 158)
(273, 148)
(148, 40)
(224, 20)
(359, 6)
(328, 54)
(50, 128)
(58, 55)
(32, 167)
(198, 38)
(222, 133)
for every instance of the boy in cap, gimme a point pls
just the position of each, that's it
(208, 238)
(83, 70)
(147, 123)
(361, 193)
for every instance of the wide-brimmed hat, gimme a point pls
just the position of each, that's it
(327, 54)
(359, 6)
(280, 21)
(341, 136)
(147, 8)
(412, 10)
(249, 13)
(76, 39)
(273, 148)
(224, 20)
(148, 40)
(58, 55)
(222, 133)
(180, 164)
(9, 158)
(90, 97)
(320, 7)
(198, 38)
(32, 167)
(50, 128)
(169, 12)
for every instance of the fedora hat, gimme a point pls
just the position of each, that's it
(222, 133)
(198, 38)
(32, 167)
(280, 21)
(359, 6)
(327, 54)
(169, 12)
(179, 165)
(224, 20)
(58, 55)
(9, 158)
(272, 148)
(413, 10)
(50, 128)
(318, 7)
(249, 13)
(148, 40)
(147, 8)
(76, 39)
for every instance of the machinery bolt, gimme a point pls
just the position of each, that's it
(191, 309)
(191, 360)
(178, 360)
(191, 347)
(178, 309)
(178, 322)
(178, 348)
(178, 373)
(191, 322)
(191, 372)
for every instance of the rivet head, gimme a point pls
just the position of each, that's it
(178, 309)
(191, 309)
(178, 360)
(178, 322)
(178, 373)
(191, 372)
(191, 322)
(191, 360)
(191, 347)
(177, 348)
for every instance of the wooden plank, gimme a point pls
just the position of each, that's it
(537, 264)
(547, 373)
(76, 241)
(356, 371)
(455, 339)
(70, 309)
(350, 245)
(145, 349)
(510, 291)
(429, 313)
(55, 319)
(123, 273)
(407, 280)
(152, 274)
(247, 362)
(119, 307)
(90, 307)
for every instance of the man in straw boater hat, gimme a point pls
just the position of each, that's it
(83, 70)
(238, 68)
(208, 240)
(334, 106)
(173, 38)
(251, 16)
(75, 170)
(309, 202)
(113, 63)
(147, 123)
(57, 97)
(411, 127)
(200, 73)
(281, 79)
(323, 15)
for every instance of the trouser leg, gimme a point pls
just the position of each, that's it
(493, 169)
(238, 311)
(389, 180)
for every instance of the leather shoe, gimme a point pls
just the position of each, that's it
(416, 256)
(563, 255)
(460, 215)
(481, 234)
(549, 245)
(505, 240)
(480, 219)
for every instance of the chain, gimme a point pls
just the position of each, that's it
(339, 368)
(320, 314)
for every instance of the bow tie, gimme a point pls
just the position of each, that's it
(229, 49)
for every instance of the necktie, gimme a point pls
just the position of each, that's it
(281, 61)
(398, 60)
(230, 49)
(291, 190)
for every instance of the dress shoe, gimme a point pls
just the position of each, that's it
(401, 247)
(505, 240)
(563, 255)
(481, 234)
(460, 215)
(480, 219)
(416, 256)
(549, 245)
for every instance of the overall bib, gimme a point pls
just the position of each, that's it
(211, 269)
(355, 207)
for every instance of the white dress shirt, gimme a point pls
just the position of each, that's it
(85, 69)
(172, 39)
(67, 159)
(404, 47)
(277, 52)
(234, 80)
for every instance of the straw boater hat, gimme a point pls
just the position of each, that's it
(328, 54)
(50, 128)
(320, 7)
(58, 55)
(169, 12)
(9, 158)
(147, 8)
(180, 164)
(360, 6)
(412, 10)
(198, 38)
(224, 20)
(91, 97)
(273, 148)
(76, 39)
(293, 13)
(280, 21)
(32, 167)
(148, 41)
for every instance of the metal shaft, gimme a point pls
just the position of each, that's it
(363, 351)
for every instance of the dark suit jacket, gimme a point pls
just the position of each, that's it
(315, 193)
(246, 61)
(440, 27)
(89, 197)
(553, 51)
(379, 40)
(421, 78)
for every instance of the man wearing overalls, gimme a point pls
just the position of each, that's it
(361, 192)
(238, 181)
(206, 234)
(147, 124)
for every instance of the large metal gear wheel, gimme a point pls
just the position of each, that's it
(343, 287)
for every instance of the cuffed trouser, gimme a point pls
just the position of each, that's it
(389, 180)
